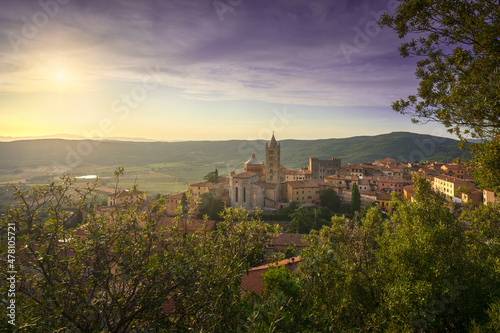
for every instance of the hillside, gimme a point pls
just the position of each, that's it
(294, 153)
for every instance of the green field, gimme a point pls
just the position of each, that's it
(155, 178)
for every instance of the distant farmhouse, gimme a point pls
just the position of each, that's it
(120, 197)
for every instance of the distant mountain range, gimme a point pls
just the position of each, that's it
(403, 146)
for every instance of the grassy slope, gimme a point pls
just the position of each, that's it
(295, 153)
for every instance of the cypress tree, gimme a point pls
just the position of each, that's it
(355, 199)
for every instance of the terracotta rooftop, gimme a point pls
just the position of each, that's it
(306, 183)
(252, 279)
(449, 178)
(367, 192)
(454, 166)
(266, 185)
(176, 196)
(286, 239)
(342, 177)
(392, 180)
(409, 188)
(381, 195)
(205, 184)
(253, 160)
(245, 175)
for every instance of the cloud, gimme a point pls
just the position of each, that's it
(272, 51)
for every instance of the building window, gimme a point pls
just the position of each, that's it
(236, 195)
(244, 194)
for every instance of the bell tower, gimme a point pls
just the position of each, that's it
(273, 162)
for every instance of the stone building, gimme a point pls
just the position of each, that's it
(260, 185)
(273, 162)
(292, 175)
(245, 190)
(305, 192)
(172, 202)
(321, 168)
(449, 185)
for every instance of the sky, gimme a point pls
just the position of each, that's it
(202, 69)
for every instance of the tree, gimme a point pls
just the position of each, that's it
(281, 307)
(355, 199)
(305, 219)
(302, 221)
(184, 203)
(211, 206)
(117, 276)
(487, 166)
(212, 177)
(340, 271)
(330, 199)
(418, 271)
(459, 71)
(431, 283)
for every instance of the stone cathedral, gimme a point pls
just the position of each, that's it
(260, 184)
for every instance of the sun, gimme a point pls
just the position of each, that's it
(60, 75)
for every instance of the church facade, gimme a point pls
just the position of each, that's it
(260, 184)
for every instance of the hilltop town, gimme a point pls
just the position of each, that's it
(270, 186)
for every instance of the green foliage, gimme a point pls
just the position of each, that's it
(424, 256)
(184, 203)
(212, 177)
(341, 264)
(487, 167)
(282, 307)
(284, 214)
(484, 234)
(210, 206)
(117, 277)
(459, 71)
(305, 219)
(493, 324)
(291, 251)
(120, 171)
(280, 279)
(331, 200)
(355, 200)
(421, 269)
(418, 271)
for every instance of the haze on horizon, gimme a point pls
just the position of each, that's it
(202, 70)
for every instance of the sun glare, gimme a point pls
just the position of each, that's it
(60, 75)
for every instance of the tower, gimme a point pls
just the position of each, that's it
(273, 162)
